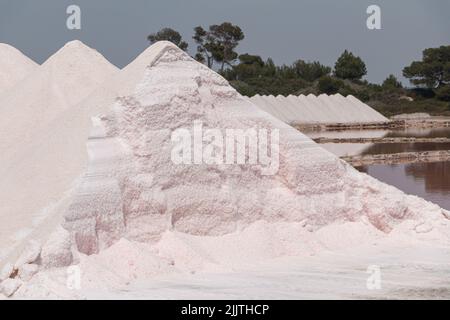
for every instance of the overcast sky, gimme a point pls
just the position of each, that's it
(285, 30)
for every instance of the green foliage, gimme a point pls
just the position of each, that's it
(266, 78)
(268, 86)
(423, 93)
(363, 95)
(395, 106)
(310, 71)
(205, 46)
(434, 69)
(168, 34)
(243, 88)
(349, 67)
(391, 82)
(250, 66)
(329, 85)
(218, 44)
(252, 75)
(249, 59)
(443, 93)
(270, 69)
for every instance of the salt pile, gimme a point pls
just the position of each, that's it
(34, 166)
(62, 81)
(27, 190)
(144, 193)
(14, 67)
(321, 109)
(137, 214)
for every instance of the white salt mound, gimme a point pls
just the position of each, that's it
(14, 67)
(27, 189)
(321, 109)
(136, 214)
(62, 81)
(34, 166)
(133, 190)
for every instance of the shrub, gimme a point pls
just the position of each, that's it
(329, 85)
(443, 93)
(349, 67)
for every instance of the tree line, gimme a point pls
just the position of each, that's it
(250, 74)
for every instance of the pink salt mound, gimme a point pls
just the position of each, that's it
(133, 190)
(137, 214)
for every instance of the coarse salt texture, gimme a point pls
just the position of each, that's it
(135, 214)
(133, 190)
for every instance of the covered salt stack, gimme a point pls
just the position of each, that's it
(322, 109)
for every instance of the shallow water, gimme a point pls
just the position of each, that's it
(383, 148)
(430, 181)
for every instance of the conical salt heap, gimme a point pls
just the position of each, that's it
(37, 176)
(65, 79)
(134, 190)
(35, 167)
(14, 67)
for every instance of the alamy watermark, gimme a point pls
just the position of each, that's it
(374, 280)
(73, 22)
(252, 146)
(73, 280)
(373, 22)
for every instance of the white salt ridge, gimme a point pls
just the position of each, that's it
(60, 148)
(411, 116)
(146, 216)
(62, 81)
(33, 140)
(14, 67)
(321, 109)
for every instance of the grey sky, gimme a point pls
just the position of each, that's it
(282, 29)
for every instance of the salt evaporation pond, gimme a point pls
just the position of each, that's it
(427, 180)
(384, 148)
(430, 181)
